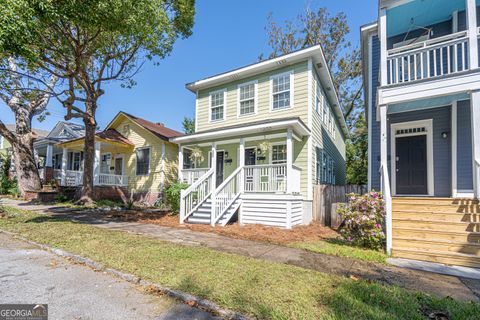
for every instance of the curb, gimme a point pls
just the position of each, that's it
(186, 298)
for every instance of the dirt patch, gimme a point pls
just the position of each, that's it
(312, 232)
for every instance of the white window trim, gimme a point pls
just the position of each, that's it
(255, 97)
(292, 92)
(428, 124)
(224, 91)
(270, 151)
(119, 156)
(149, 161)
(111, 158)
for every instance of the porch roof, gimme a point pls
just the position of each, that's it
(110, 136)
(295, 123)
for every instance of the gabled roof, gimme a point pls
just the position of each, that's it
(157, 129)
(73, 130)
(109, 135)
(315, 53)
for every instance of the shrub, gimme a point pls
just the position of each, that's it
(172, 195)
(364, 218)
(102, 203)
(61, 198)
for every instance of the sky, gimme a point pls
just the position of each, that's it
(227, 34)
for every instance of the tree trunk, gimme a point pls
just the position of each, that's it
(25, 164)
(89, 155)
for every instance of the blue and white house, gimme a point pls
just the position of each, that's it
(422, 91)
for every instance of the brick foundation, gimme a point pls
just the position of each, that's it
(42, 196)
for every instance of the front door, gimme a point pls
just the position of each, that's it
(411, 165)
(250, 157)
(118, 166)
(219, 178)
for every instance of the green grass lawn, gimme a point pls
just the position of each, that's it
(342, 249)
(259, 288)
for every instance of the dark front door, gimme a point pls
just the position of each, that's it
(250, 157)
(219, 178)
(411, 165)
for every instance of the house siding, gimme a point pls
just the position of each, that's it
(441, 147)
(300, 86)
(374, 161)
(334, 146)
(142, 138)
(464, 146)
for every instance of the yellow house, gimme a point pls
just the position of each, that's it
(133, 159)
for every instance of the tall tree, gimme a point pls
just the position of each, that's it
(188, 125)
(26, 93)
(344, 60)
(319, 27)
(89, 43)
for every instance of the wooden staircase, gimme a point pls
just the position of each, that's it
(443, 230)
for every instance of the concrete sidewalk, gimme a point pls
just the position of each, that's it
(31, 275)
(441, 285)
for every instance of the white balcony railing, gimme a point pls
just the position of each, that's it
(73, 178)
(428, 59)
(112, 180)
(190, 176)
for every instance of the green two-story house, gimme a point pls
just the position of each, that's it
(264, 135)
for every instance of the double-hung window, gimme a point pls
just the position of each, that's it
(281, 91)
(143, 161)
(246, 98)
(279, 154)
(324, 167)
(217, 105)
(319, 102)
(319, 166)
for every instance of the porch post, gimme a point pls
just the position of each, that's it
(471, 8)
(475, 111)
(35, 155)
(383, 46)
(64, 166)
(96, 164)
(49, 156)
(241, 158)
(180, 163)
(213, 163)
(289, 161)
(385, 180)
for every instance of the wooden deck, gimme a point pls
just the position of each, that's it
(443, 230)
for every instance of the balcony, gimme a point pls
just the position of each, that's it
(428, 59)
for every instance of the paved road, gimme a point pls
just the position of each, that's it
(31, 275)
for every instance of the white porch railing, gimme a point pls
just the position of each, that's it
(192, 197)
(428, 59)
(57, 174)
(266, 178)
(226, 194)
(192, 175)
(73, 178)
(387, 197)
(41, 173)
(112, 180)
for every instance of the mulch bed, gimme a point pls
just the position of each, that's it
(312, 232)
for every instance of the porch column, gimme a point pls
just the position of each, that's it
(49, 156)
(180, 163)
(35, 155)
(289, 161)
(382, 27)
(475, 110)
(241, 158)
(64, 166)
(385, 178)
(471, 8)
(96, 164)
(213, 163)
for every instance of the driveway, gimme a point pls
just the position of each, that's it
(31, 275)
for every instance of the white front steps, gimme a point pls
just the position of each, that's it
(203, 213)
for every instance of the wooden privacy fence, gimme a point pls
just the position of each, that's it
(326, 199)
